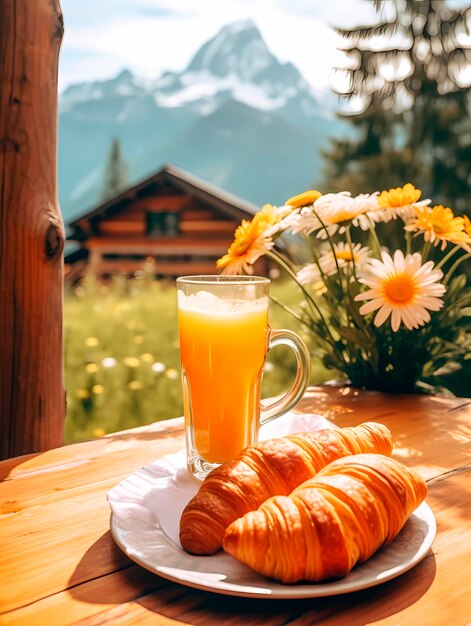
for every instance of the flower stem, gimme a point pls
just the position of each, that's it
(315, 257)
(455, 265)
(426, 250)
(374, 236)
(408, 243)
(447, 257)
(331, 243)
(282, 263)
(350, 245)
(288, 309)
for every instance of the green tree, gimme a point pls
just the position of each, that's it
(115, 177)
(411, 75)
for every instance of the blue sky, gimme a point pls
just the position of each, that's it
(150, 36)
(103, 37)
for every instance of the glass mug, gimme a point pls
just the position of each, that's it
(224, 340)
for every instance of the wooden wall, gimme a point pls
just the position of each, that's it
(121, 243)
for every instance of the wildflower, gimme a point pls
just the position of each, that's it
(346, 257)
(304, 199)
(403, 288)
(309, 274)
(138, 339)
(467, 225)
(333, 212)
(251, 241)
(99, 432)
(399, 201)
(108, 362)
(91, 368)
(82, 394)
(158, 368)
(98, 389)
(91, 341)
(147, 357)
(135, 385)
(131, 361)
(438, 225)
(292, 222)
(171, 374)
(301, 221)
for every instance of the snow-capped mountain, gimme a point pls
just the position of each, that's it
(236, 117)
(235, 64)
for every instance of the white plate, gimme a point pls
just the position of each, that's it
(139, 534)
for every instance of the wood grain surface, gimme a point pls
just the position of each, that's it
(32, 394)
(59, 564)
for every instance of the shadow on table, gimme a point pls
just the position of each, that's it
(355, 609)
(116, 580)
(8, 466)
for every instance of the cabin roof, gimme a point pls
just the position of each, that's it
(177, 178)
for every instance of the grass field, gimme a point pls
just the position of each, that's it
(122, 359)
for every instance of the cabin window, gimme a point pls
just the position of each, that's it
(163, 223)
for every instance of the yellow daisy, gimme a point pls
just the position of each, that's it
(269, 217)
(398, 201)
(438, 225)
(304, 199)
(251, 241)
(467, 225)
(403, 288)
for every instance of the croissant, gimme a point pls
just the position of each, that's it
(329, 523)
(272, 467)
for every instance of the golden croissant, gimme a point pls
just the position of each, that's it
(334, 520)
(272, 467)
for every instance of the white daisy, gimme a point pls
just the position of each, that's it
(403, 288)
(288, 222)
(301, 221)
(344, 256)
(309, 274)
(336, 210)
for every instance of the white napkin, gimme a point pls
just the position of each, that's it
(158, 493)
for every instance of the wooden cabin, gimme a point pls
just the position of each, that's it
(180, 222)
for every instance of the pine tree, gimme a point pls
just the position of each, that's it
(115, 177)
(413, 82)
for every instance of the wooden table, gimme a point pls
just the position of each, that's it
(59, 564)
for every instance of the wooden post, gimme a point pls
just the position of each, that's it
(32, 400)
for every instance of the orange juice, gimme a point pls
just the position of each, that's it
(223, 348)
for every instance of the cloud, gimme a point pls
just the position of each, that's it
(151, 36)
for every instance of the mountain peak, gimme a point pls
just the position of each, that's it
(240, 26)
(237, 49)
(125, 76)
(236, 63)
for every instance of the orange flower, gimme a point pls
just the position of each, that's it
(304, 199)
(438, 225)
(252, 240)
(398, 202)
(399, 197)
(467, 225)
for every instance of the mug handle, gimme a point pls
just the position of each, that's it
(301, 381)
